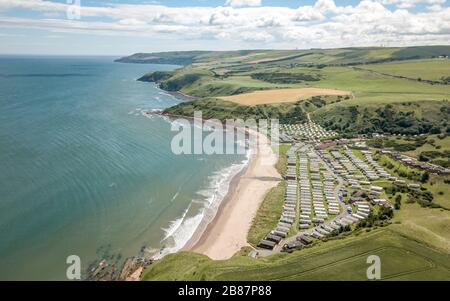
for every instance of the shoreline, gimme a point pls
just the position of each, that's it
(226, 233)
(223, 231)
(199, 233)
(177, 94)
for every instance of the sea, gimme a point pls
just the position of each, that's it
(85, 171)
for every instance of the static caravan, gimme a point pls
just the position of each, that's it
(279, 233)
(318, 220)
(317, 234)
(305, 221)
(282, 229)
(274, 238)
(266, 244)
(334, 226)
(287, 220)
(356, 215)
(322, 231)
(305, 240)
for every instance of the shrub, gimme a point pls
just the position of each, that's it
(425, 177)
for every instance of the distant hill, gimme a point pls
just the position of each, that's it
(393, 90)
(344, 56)
(173, 58)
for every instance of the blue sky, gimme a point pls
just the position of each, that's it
(120, 27)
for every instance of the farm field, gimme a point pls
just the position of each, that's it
(344, 259)
(281, 95)
(377, 89)
(431, 69)
(429, 225)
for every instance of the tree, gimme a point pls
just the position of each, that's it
(425, 177)
(398, 202)
(435, 130)
(423, 158)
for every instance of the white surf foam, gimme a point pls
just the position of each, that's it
(175, 225)
(181, 230)
(179, 233)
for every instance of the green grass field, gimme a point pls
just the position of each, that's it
(428, 225)
(270, 210)
(436, 184)
(433, 144)
(440, 190)
(344, 259)
(431, 69)
(267, 215)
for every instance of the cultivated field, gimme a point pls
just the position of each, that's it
(344, 259)
(281, 95)
(432, 69)
(429, 225)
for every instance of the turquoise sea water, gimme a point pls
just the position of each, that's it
(84, 171)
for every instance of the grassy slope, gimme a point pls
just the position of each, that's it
(431, 226)
(343, 259)
(267, 215)
(432, 143)
(440, 190)
(222, 110)
(438, 145)
(430, 69)
(270, 210)
(436, 184)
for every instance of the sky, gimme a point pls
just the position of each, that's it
(122, 27)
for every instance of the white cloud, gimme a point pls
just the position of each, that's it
(323, 24)
(325, 6)
(257, 37)
(410, 3)
(307, 13)
(242, 3)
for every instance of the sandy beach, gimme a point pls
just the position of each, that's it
(227, 233)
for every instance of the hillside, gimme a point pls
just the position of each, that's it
(343, 259)
(391, 90)
(344, 56)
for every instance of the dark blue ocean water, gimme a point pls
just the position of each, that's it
(83, 171)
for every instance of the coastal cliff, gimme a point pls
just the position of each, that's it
(182, 58)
